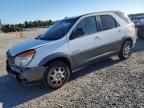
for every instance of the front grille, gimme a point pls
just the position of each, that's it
(10, 58)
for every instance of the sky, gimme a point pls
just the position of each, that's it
(18, 11)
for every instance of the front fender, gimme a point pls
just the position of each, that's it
(54, 56)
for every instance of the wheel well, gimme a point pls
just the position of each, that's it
(129, 39)
(63, 59)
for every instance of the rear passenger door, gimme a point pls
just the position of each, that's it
(111, 35)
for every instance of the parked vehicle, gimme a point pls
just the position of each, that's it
(140, 32)
(70, 45)
(139, 22)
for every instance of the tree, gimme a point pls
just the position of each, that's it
(12, 28)
(0, 24)
(6, 28)
(19, 27)
(26, 24)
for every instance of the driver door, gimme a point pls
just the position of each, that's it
(84, 41)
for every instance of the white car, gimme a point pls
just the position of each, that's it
(69, 45)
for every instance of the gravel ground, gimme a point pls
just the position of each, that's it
(109, 83)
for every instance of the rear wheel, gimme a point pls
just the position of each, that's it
(56, 75)
(126, 50)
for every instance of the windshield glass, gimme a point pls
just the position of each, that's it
(59, 29)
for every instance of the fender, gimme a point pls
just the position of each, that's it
(127, 38)
(54, 56)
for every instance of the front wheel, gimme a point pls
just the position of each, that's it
(56, 75)
(126, 50)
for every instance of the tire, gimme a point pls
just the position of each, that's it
(126, 50)
(56, 75)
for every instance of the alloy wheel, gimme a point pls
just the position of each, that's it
(127, 49)
(56, 76)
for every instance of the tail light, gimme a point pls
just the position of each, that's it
(133, 25)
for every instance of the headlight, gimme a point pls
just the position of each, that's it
(24, 58)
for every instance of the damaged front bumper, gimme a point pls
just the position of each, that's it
(25, 75)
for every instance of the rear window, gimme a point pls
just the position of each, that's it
(108, 22)
(123, 16)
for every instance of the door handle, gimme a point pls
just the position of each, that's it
(119, 30)
(76, 51)
(97, 37)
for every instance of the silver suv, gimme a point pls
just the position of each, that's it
(70, 45)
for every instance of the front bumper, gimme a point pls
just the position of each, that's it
(25, 75)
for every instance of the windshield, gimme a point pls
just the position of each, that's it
(59, 29)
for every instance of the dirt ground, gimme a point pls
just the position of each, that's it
(107, 84)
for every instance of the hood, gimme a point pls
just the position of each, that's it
(27, 45)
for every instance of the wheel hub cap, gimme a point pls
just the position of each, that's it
(57, 76)
(127, 50)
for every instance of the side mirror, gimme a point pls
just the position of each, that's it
(77, 33)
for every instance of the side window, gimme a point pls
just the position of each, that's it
(86, 26)
(108, 22)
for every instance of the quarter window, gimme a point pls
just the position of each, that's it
(123, 16)
(108, 22)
